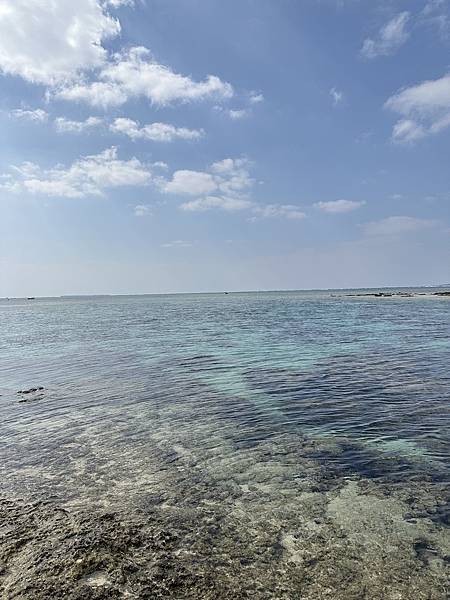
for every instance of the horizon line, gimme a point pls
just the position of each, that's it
(254, 291)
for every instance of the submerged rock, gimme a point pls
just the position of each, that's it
(31, 394)
(31, 390)
(343, 545)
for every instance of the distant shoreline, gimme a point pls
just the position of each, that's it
(378, 291)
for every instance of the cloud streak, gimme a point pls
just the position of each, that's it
(63, 125)
(338, 206)
(389, 39)
(37, 116)
(397, 225)
(157, 132)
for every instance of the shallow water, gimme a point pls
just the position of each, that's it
(281, 407)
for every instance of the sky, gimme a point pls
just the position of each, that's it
(153, 146)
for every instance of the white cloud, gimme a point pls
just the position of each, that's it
(235, 115)
(336, 95)
(9, 184)
(192, 183)
(288, 211)
(51, 42)
(226, 185)
(160, 165)
(255, 98)
(230, 177)
(159, 132)
(64, 125)
(100, 94)
(425, 109)
(407, 130)
(339, 206)
(134, 73)
(232, 204)
(177, 244)
(397, 226)
(142, 210)
(390, 37)
(38, 115)
(59, 43)
(89, 175)
(214, 202)
(228, 165)
(118, 3)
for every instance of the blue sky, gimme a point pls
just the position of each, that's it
(202, 145)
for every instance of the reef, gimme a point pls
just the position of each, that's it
(348, 540)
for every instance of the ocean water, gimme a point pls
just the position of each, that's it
(302, 413)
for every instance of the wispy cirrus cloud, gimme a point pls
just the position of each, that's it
(177, 244)
(37, 115)
(437, 14)
(389, 39)
(237, 114)
(339, 206)
(337, 96)
(398, 225)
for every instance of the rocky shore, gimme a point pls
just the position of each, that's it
(340, 540)
(400, 294)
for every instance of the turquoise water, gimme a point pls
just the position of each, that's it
(247, 404)
(371, 373)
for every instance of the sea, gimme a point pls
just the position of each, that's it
(309, 425)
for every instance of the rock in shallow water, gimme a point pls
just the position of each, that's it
(31, 390)
(31, 394)
(208, 554)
